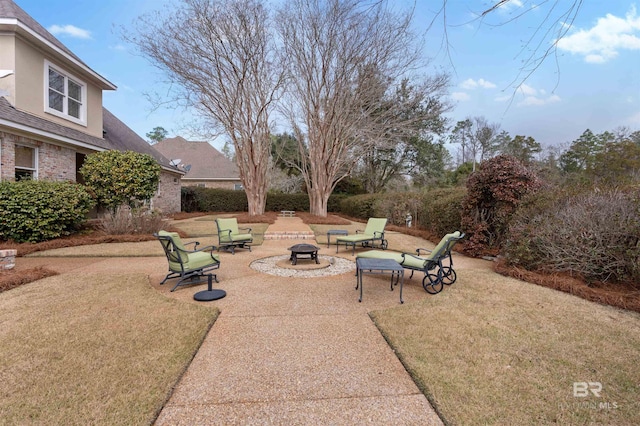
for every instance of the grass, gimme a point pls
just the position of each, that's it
(492, 349)
(93, 349)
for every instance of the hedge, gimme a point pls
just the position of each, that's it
(36, 210)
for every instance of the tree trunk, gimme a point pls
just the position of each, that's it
(318, 202)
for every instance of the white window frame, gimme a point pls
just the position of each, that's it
(35, 168)
(65, 104)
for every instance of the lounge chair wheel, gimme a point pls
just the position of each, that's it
(384, 244)
(448, 275)
(432, 283)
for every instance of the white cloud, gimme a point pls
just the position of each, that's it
(69, 30)
(118, 47)
(460, 96)
(539, 100)
(473, 84)
(510, 5)
(527, 90)
(603, 42)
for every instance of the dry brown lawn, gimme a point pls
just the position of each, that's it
(93, 349)
(495, 350)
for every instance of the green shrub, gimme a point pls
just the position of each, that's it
(441, 210)
(198, 199)
(594, 235)
(115, 177)
(359, 206)
(35, 210)
(277, 202)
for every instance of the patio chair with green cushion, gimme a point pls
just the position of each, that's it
(436, 272)
(191, 266)
(373, 234)
(229, 236)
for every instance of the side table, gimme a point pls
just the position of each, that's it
(209, 294)
(335, 232)
(379, 266)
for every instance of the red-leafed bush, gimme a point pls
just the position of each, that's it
(493, 194)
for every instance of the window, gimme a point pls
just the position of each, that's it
(238, 187)
(26, 162)
(66, 95)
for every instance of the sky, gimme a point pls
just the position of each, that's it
(590, 81)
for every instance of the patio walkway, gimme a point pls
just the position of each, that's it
(296, 351)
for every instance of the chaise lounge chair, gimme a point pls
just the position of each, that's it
(373, 234)
(436, 273)
(190, 265)
(229, 236)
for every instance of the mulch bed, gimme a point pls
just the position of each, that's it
(11, 278)
(620, 295)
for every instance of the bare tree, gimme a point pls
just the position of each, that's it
(342, 57)
(484, 138)
(555, 20)
(219, 57)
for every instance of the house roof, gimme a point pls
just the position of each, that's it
(206, 161)
(13, 18)
(119, 136)
(20, 120)
(116, 134)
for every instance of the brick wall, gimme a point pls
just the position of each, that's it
(59, 164)
(167, 198)
(54, 162)
(7, 259)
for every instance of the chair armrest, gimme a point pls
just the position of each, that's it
(377, 234)
(423, 249)
(222, 231)
(358, 231)
(247, 229)
(207, 248)
(195, 244)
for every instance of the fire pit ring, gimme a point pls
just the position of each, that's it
(281, 266)
(305, 250)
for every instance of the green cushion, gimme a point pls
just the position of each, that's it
(443, 245)
(228, 224)
(375, 224)
(178, 243)
(408, 261)
(242, 237)
(355, 238)
(231, 224)
(190, 261)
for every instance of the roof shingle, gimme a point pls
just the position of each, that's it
(206, 161)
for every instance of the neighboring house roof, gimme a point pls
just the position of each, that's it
(12, 17)
(207, 163)
(122, 138)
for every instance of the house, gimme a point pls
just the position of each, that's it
(51, 113)
(204, 165)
